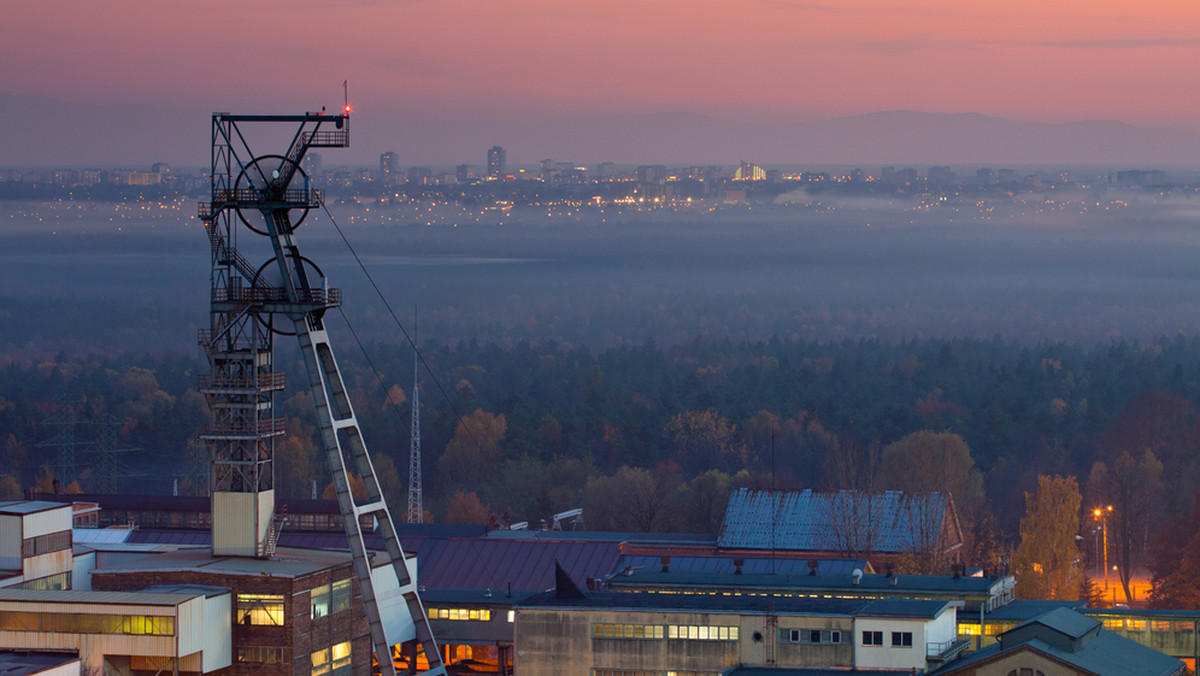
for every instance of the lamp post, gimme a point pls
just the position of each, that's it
(1101, 515)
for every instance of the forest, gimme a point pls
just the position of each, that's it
(654, 437)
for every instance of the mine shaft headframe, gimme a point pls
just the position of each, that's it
(242, 180)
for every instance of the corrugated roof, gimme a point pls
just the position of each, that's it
(466, 563)
(808, 521)
(783, 605)
(751, 566)
(100, 536)
(495, 564)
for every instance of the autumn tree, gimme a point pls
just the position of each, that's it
(633, 499)
(10, 488)
(1175, 581)
(702, 502)
(466, 507)
(927, 462)
(1046, 559)
(1132, 488)
(473, 450)
(703, 440)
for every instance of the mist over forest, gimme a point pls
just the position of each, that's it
(97, 277)
(684, 351)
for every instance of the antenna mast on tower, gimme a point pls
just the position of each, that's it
(415, 512)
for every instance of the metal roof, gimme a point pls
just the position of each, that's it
(897, 585)
(21, 662)
(1108, 654)
(466, 563)
(750, 565)
(741, 605)
(288, 562)
(496, 564)
(16, 507)
(100, 536)
(136, 598)
(807, 520)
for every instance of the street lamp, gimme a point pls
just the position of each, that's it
(1101, 515)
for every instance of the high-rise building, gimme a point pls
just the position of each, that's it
(464, 173)
(389, 164)
(497, 161)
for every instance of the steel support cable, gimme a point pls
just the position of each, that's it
(379, 377)
(457, 415)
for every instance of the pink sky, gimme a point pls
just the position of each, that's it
(1033, 60)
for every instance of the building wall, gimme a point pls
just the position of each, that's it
(564, 642)
(839, 654)
(188, 636)
(887, 656)
(300, 635)
(10, 541)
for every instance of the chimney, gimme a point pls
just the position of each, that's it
(737, 566)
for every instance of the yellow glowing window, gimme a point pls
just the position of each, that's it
(260, 609)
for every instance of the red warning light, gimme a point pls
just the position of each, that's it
(347, 107)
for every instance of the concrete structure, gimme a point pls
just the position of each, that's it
(295, 614)
(1063, 642)
(35, 545)
(184, 629)
(566, 632)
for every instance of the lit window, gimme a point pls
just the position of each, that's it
(260, 609)
(319, 602)
(341, 658)
(340, 596)
(320, 662)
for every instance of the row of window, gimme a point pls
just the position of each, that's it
(264, 654)
(1110, 623)
(44, 544)
(900, 639)
(480, 614)
(1130, 624)
(84, 623)
(329, 599)
(333, 661)
(59, 582)
(810, 636)
(672, 631)
(627, 672)
(259, 609)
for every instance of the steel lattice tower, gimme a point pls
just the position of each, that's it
(286, 295)
(416, 513)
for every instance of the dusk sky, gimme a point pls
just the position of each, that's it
(1029, 60)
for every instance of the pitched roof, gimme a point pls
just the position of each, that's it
(807, 520)
(1069, 637)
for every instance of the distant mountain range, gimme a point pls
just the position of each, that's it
(49, 132)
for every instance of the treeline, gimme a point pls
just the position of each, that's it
(652, 437)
